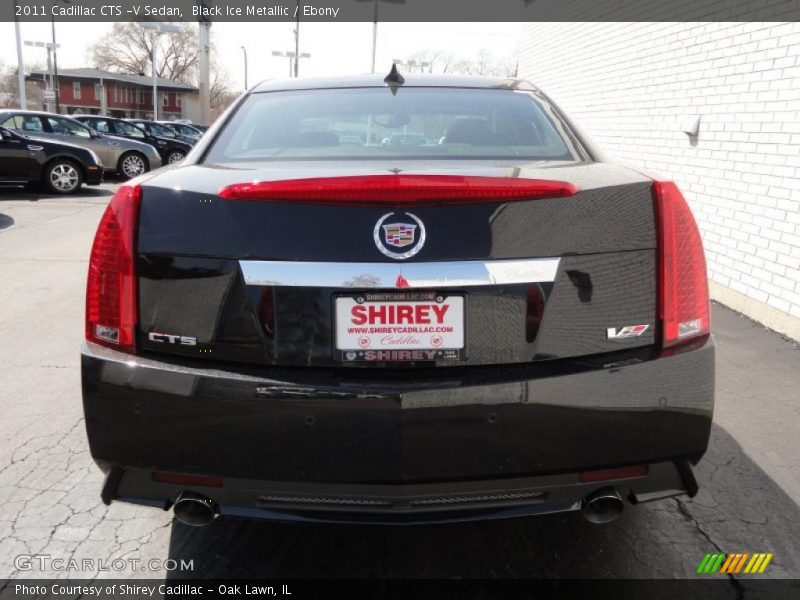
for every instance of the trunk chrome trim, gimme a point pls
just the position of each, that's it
(472, 273)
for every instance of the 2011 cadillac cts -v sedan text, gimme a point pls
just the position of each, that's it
(399, 301)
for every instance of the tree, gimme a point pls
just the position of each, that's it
(221, 91)
(128, 48)
(9, 88)
(484, 63)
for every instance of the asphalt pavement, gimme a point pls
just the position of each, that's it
(749, 496)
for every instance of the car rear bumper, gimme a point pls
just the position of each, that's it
(399, 503)
(303, 444)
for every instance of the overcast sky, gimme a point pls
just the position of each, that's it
(335, 48)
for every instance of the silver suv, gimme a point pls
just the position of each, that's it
(128, 158)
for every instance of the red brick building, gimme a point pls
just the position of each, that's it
(94, 91)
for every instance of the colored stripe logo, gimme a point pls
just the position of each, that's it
(734, 562)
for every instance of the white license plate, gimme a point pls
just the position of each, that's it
(399, 326)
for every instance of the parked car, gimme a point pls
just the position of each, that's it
(127, 158)
(500, 324)
(160, 130)
(183, 129)
(170, 149)
(59, 167)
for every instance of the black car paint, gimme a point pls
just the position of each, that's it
(266, 415)
(163, 145)
(318, 432)
(23, 159)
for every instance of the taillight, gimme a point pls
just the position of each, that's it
(402, 189)
(682, 279)
(111, 307)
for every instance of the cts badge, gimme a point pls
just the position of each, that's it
(166, 338)
(628, 331)
(399, 230)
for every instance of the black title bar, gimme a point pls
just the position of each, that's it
(400, 10)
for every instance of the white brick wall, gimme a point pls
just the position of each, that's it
(633, 86)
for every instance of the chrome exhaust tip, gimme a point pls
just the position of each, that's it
(603, 506)
(195, 509)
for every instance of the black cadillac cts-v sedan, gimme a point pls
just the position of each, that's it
(396, 300)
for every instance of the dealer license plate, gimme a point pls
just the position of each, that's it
(399, 326)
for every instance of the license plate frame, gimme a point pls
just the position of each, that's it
(452, 347)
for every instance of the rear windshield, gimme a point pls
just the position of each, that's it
(365, 123)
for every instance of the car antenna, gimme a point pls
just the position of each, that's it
(394, 79)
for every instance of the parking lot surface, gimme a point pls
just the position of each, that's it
(49, 486)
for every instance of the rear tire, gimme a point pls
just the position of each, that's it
(62, 176)
(132, 164)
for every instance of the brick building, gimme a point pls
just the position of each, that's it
(637, 88)
(94, 91)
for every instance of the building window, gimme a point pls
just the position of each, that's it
(116, 93)
(165, 99)
(76, 90)
(178, 100)
(139, 96)
(98, 92)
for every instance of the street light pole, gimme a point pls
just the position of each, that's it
(23, 99)
(55, 52)
(159, 28)
(411, 64)
(293, 57)
(244, 51)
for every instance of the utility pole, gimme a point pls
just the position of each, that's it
(375, 25)
(153, 60)
(297, 40)
(50, 50)
(55, 53)
(374, 36)
(55, 62)
(204, 77)
(23, 99)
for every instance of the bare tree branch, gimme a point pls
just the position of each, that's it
(484, 63)
(128, 48)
